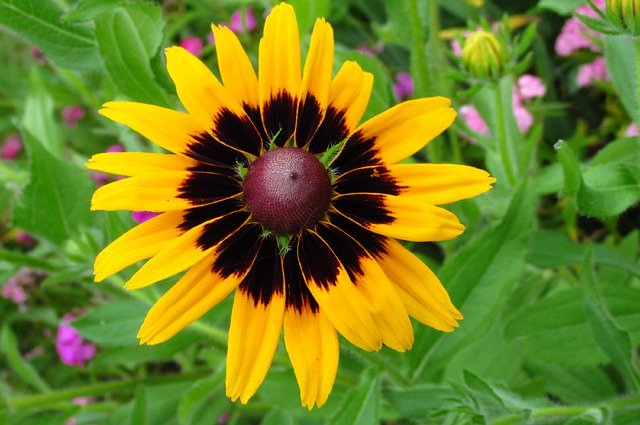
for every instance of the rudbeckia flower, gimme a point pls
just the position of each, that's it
(274, 191)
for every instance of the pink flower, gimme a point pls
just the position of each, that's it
(11, 148)
(211, 38)
(142, 216)
(72, 114)
(523, 117)
(239, 25)
(115, 148)
(632, 130)
(592, 72)
(456, 48)
(575, 35)
(403, 87)
(474, 120)
(529, 87)
(16, 288)
(72, 348)
(192, 44)
(370, 51)
(25, 239)
(99, 178)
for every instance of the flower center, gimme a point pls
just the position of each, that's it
(287, 190)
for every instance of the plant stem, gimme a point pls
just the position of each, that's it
(508, 159)
(46, 399)
(420, 70)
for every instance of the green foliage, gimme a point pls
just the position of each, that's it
(546, 274)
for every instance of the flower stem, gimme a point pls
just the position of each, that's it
(25, 402)
(508, 158)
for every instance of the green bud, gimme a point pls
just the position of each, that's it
(484, 55)
(627, 12)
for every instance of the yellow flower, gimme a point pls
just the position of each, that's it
(274, 191)
(483, 54)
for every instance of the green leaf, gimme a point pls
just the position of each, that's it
(55, 203)
(200, 392)
(308, 11)
(125, 51)
(479, 278)
(613, 340)
(38, 115)
(87, 10)
(564, 7)
(278, 417)
(112, 324)
(489, 399)
(626, 150)
(423, 400)
(360, 405)
(623, 55)
(139, 410)
(609, 189)
(40, 22)
(22, 368)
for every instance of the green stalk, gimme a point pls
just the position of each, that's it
(420, 70)
(39, 401)
(506, 154)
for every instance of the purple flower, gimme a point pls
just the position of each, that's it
(239, 25)
(72, 348)
(474, 120)
(192, 44)
(370, 51)
(115, 148)
(403, 87)
(592, 72)
(72, 114)
(25, 239)
(11, 148)
(142, 216)
(529, 87)
(575, 35)
(99, 178)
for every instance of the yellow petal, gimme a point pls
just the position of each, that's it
(279, 57)
(136, 163)
(142, 242)
(197, 292)
(165, 127)
(404, 129)
(253, 338)
(414, 220)
(198, 89)
(314, 92)
(350, 91)
(384, 304)
(312, 343)
(149, 192)
(441, 183)
(236, 70)
(178, 255)
(340, 300)
(420, 290)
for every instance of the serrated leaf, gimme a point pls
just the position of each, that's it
(198, 393)
(124, 51)
(112, 324)
(423, 400)
(609, 189)
(622, 59)
(40, 22)
(55, 203)
(87, 10)
(625, 150)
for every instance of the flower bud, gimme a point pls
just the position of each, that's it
(483, 54)
(626, 10)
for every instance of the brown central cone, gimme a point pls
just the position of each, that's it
(287, 190)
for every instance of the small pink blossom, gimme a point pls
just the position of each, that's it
(72, 114)
(211, 38)
(474, 120)
(592, 72)
(11, 148)
(25, 239)
(575, 35)
(99, 178)
(192, 44)
(71, 421)
(370, 50)
(529, 87)
(632, 130)
(115, 148)
(523, 117)
(403, 86)
(142, 216)
(16, 289)
(72, 348)
(239, 25)
(456, 48)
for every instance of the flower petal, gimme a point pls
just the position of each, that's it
(186, 250)
(441, 183)
(399, 217)
(253, 338)
(170, 129)
(136, 163)
(314, 91)
(420, 290)
(149, 192)
(142, 242)
(312, 343)
(197, 292)
(336, 294)
(350, 92)
(236, 70)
